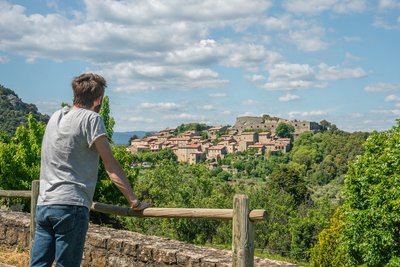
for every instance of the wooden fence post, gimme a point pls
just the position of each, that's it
(242, 233)
(34, 198)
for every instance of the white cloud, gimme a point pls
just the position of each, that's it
(136, 42)
(384, 23)
(159, 106)
(250, 102)
(288, 97)
(314, 113)
(185, 117)
(312, 7)
(352, 57)
(389, 4)
(255, 77)
(350, 6)
(309, 40)
(287, 76)
(392, 98)
(287, 71)
(207, 107)
(288, 85)
(327, 72)
(278, 23)
(382, 87)
(141, 120)
(226, 112)
(395, 112)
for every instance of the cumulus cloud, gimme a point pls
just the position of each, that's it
(392, 98)
(141, 120)
(312, 7)
(255, 77)
(389, 4)
(184, 117)
(309, 40)
(288, 76)
(159, 106)
(217, 95)
(382, 87)
(313, 113)
(327, 72)
(288, 97)
(137, 42)
(386, 24)
(250, 102)
(207, 107)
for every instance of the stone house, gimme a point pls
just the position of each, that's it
(212, 132)
(183, 152)
(264, 137)
(216, 152)
(259, 147)
(249, 137)
(180, 141)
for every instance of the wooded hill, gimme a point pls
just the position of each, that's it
(14, 112)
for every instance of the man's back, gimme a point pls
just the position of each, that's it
(69, 163)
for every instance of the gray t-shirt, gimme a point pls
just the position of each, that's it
(69, 164)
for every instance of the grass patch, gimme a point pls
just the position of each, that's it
(14, 257)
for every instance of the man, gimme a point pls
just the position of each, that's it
(73, 140)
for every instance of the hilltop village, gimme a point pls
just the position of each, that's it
(256, 133)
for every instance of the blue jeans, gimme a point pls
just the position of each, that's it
(60, 235)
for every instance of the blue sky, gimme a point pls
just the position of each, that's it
(210, 61)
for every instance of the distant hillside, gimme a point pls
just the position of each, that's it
(122, 138)
(14, 112)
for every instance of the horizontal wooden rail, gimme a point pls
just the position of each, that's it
(221, 214)
(15, 193)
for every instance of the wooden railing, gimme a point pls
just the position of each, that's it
(242, 217)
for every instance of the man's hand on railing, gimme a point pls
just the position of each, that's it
(139, 205)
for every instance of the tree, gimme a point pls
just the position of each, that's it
(367, 225)
(109, 121)
(289, 178)
(372, 202)
(133, 137)
(284, 130)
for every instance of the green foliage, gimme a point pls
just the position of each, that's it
(284, 130)
(372, 201)
(198, 127)
(289, 178)
(329, 250)
(20, 157)
(109, 121)
(14, 112)
(365, 231)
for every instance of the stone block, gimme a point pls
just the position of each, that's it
(145, 253)
(163, 255)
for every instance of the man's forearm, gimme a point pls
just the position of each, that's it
(118, 177)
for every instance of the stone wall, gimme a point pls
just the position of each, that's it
(110, 247)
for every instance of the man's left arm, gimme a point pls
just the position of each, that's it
(116, 173)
